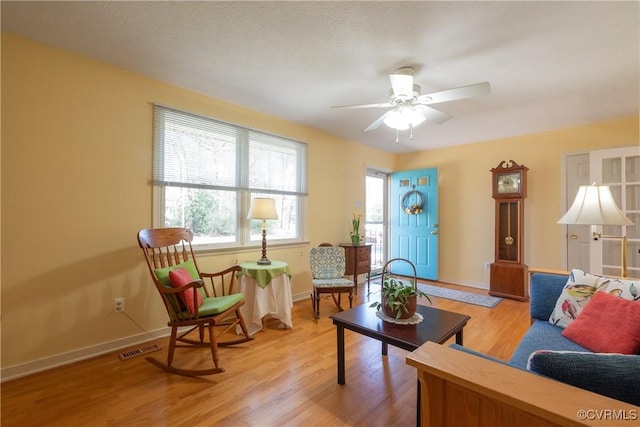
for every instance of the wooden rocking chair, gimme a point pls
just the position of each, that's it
(194, 300)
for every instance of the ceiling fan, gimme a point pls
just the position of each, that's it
(410, 108)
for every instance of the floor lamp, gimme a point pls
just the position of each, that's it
(263, 208)
(594, 205)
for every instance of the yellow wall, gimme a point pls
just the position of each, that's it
(76, 171)
(467, 209)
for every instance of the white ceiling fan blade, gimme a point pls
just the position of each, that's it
(463, 92)
(402, 84)
(384, 104)
(432, 114)
(378, 122)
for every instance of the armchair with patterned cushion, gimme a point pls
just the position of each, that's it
(327, 265)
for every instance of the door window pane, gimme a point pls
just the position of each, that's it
(611, 170)
(374, 227)
(633, 197)
(632, 169)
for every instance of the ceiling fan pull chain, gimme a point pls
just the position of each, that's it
(397, 135)
(411, 131)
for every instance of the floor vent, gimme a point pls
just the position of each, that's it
(138, 351)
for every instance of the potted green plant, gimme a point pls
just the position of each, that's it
(399, 299)
(356, 237)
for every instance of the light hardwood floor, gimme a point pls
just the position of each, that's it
(282, 378)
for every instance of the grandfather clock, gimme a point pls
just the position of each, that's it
(508, 274)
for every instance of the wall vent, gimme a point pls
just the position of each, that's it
(138, 351)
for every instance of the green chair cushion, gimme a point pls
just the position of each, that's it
(215, 305)
(163, 273)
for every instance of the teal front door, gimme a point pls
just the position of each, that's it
(413, 218)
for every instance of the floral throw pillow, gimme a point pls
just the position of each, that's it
(625, 288)
(575, 295)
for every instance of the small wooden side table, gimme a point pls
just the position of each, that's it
(358, 261)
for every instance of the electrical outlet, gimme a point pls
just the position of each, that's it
(486, 265)
(118, 305)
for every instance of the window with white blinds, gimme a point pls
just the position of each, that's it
(205, 173)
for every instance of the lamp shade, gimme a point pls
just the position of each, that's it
(263, 208)
(594, 205)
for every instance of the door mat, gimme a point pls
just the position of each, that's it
(455, 295)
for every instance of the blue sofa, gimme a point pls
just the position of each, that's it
(544, 292)
(615, 376)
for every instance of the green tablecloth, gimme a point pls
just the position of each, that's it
(263, 274)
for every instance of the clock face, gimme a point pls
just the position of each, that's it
(508, 183)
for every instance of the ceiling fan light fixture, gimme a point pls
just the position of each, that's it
(410, 108)
(402, 118)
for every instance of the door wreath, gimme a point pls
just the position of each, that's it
(412, 202)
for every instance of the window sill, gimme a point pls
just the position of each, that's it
(249, 248)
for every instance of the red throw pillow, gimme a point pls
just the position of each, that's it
(181, 277)
(608, 324)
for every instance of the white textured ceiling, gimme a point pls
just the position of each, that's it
(550, 64)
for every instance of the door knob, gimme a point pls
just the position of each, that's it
(434, 231)
(573, 236)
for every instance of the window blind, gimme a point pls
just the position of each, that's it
(200, 152)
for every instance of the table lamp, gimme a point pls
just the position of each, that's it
(594, 205)
(263, 208)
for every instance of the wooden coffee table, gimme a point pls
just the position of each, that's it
(438, 326)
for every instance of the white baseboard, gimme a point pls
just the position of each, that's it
(17, 371)
(24, 369)
(300, 297)
(477, 285)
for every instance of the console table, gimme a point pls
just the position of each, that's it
(358, 261)
(267, 291)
